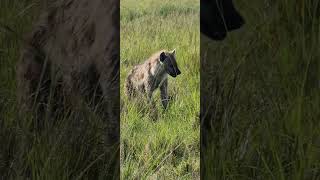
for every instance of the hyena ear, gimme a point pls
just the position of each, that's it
(162, 57)
(173, 52)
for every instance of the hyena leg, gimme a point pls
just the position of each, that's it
(129, 90)
(149, 92)
(109, 111)
(164, 94)
(33, 87)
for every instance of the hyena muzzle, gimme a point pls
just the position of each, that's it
(218, 17)
(145, 78)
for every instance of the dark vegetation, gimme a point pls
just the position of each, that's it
(263, 85)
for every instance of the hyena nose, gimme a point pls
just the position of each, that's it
(178, 72)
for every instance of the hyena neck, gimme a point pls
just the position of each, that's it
(158, 69)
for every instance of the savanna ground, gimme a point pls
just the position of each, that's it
(154, 143)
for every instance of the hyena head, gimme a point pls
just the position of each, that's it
(218, 17)
(168, 60)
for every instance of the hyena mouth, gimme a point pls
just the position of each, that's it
(175, 74)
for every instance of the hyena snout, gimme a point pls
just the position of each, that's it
(178, 72)
(175, 73)
(218, 17)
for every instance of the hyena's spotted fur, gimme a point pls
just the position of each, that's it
(152, 74)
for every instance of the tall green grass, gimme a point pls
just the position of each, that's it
(267, 101)
(155, 143)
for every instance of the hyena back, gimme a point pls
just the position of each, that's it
(145, 78)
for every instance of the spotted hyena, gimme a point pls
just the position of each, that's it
(72, 57)
(152, 74)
